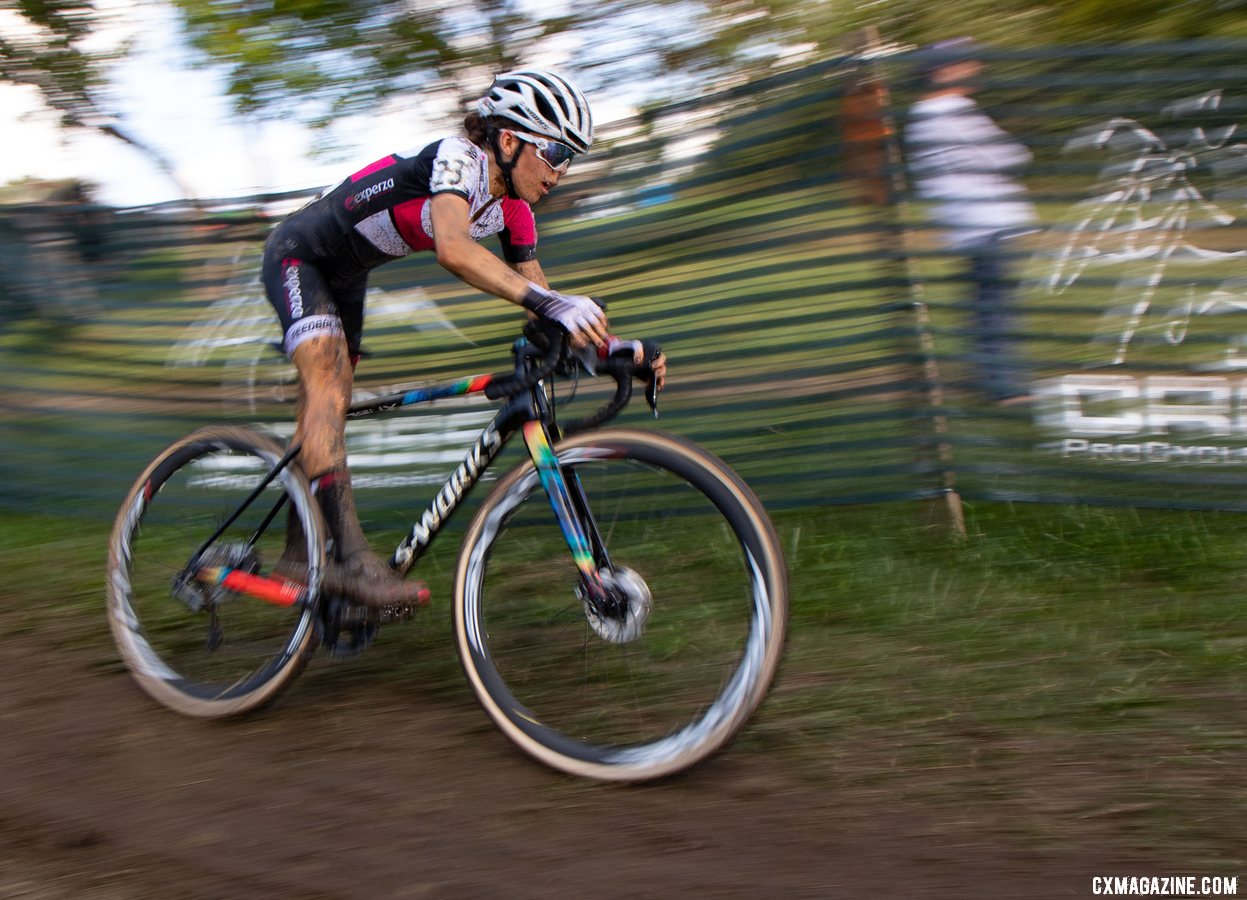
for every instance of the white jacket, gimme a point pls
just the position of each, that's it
(960, 161)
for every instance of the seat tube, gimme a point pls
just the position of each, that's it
(546, 460)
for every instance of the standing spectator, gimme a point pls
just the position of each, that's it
(962, 164)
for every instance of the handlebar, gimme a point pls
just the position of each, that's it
(546, 351)
(535, 360)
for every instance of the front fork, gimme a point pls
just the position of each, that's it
(571, 508)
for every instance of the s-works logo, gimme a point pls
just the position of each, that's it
(368, 193)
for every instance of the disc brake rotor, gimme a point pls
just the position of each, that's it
(635, 604)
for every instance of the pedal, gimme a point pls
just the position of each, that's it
(346, 630)
(386, 615)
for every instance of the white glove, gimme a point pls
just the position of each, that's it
(571, 311)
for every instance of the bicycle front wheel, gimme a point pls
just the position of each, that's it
(202, 507)
(678, 669)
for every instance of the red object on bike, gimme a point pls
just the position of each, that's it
(277, 591)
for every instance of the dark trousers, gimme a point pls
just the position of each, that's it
(996, 327)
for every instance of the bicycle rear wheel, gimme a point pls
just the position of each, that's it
(669, 679)
(192, 643)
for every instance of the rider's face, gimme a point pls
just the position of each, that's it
(533, 179)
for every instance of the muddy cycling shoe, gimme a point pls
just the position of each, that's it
(353, 573)
(364, 580)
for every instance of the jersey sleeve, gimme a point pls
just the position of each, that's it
(456, 169)
(519, 231)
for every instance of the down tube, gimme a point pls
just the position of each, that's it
(547, 463)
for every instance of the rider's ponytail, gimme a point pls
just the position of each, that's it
(479, 129)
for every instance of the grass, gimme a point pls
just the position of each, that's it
(1076, 672)
(1107, 644)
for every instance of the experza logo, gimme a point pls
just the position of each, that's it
(294, 292)
(369, 192)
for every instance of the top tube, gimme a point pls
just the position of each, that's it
(473, 385)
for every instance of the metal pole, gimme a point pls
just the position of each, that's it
(896, 237)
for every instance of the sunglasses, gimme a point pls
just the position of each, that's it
(555, 155)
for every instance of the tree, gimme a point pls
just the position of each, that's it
(1038, 22)
(41, 46)
(314, 60)
(1153, 19)
(321, 59)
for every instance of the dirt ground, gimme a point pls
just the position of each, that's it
(343, 790)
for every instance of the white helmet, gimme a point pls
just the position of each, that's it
(543, 104)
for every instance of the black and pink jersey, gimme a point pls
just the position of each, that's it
(316, 262)
(381, 213)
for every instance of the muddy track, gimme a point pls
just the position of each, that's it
(343, 790)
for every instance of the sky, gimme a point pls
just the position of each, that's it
(168, 105)
(181, 111)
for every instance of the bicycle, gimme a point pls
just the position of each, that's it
(624, 627)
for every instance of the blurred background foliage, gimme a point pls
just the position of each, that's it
(42, 44)
(734, 226)
(319, 59)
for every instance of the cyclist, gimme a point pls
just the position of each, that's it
(518, 143)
